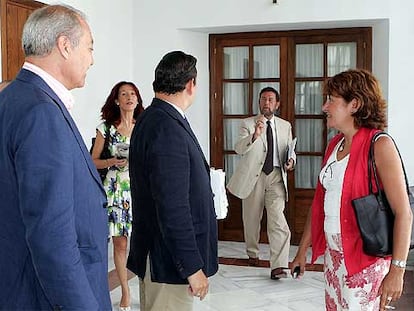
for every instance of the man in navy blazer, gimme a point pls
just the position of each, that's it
(53, 224)
(174, 235)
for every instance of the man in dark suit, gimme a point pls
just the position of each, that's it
(53, 224)
(175, 227)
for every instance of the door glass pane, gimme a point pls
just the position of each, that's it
(231, 133)
(230, 164)
(235, 96)
(308, 97)
(309, 133)
(266, 61)
(307, 171)
(257, 87)
(341, 57)
(236, 62)
(309, 60)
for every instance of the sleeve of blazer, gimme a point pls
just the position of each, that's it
(44, 165)
(171, 159)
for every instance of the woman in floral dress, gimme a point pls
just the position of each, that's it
(119, 113)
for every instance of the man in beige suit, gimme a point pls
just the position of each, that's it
(260, 180)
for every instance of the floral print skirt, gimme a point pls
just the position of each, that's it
(356, 292)
(118, 192)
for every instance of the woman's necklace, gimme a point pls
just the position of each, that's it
(341, 146)
(125, 128)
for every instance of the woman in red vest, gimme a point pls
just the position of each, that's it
(354, 280)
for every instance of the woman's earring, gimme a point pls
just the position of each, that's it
(117, 103)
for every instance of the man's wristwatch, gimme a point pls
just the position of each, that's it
(399, 263)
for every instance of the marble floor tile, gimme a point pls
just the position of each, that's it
(243, 288)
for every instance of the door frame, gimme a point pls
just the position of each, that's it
(14, 14)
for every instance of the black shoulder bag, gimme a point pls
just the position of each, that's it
(105, 154)
(373, 213)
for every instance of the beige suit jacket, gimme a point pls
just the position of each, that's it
(253, 155)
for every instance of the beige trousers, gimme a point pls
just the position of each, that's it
(163, 297)
(269, 193)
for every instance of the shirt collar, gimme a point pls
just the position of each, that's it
(177, 108)
(61, 91)
(272, 121)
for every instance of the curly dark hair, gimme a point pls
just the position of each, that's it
(110, 111)
(173, 72)
(364, 87)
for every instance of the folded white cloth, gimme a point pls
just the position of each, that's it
(218, 180)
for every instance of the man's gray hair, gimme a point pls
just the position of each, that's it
(45, 25)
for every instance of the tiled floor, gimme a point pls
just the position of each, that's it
(241, 288)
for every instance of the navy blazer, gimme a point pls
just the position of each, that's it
(172, 202)
(53, 224)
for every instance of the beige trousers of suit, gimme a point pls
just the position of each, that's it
(269, 193)
(163, 297)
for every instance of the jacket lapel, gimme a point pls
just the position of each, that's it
(280, 149)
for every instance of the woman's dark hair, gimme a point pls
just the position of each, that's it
(360, 84)
(173, 72)
(110, 111)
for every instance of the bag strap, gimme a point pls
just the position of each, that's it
(106, 143)
(372, 167)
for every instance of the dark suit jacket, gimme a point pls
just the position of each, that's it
(172, 201)
(53, 224)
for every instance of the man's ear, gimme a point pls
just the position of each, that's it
(190, 87)
(64, 46)
(277, 105)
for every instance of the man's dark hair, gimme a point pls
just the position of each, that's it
(173, 72)
(270, 89)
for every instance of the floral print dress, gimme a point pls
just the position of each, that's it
(344, 291)
(117, 185)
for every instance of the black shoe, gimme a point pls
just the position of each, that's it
(254, 262)
(277, 274)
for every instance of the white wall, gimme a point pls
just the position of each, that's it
(132, 36)
(182, 21)
(170, 28)
(112, 30)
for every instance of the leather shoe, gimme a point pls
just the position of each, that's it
(277, 274)
(253, 261)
